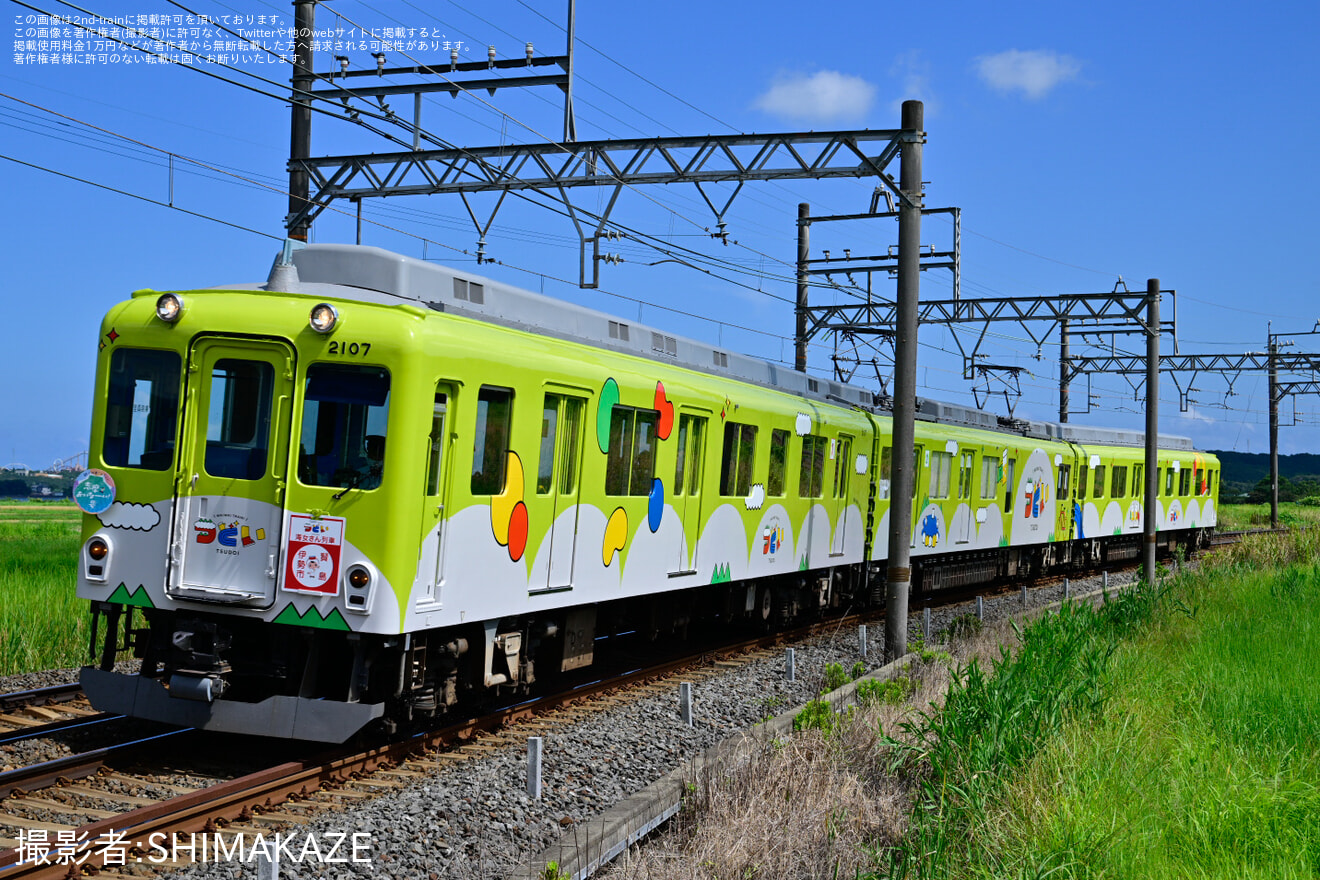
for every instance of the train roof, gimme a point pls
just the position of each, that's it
(375, 275)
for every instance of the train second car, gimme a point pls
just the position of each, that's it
(373, 488)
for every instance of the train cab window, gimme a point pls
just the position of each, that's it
(842, 467)
(1010, 473)
(630, 467)
(774, 483)
(1098, 482)
(1209, 487)
(1138, 480)
(811, 480)
(1119, 487)
(142, 409)
(1065, 477)
(989, 477)
(490, 440)
(941, 467)
(1081, 482)
(966, 464)
(739, 459)
(345, 412)
(1184, 482)
(238, 419)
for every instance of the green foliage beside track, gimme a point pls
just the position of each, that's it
(42, 624)
(1171, 733)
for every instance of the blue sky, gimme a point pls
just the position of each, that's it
(1083, 142)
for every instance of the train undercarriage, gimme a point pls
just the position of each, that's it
(221, 672)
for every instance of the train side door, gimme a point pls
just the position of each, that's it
(1063, 495)
(688, 473)
(559, 477)
(843, 470)
(233, 471)
(919, 491)
(439, 447)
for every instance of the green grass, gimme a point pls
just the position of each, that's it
(1201, 757)
(42, 624)
(1232, 517)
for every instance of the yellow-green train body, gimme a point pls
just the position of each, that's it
(374, 488)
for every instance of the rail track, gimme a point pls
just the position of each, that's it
(103, 799)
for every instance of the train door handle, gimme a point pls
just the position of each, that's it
(192, 484)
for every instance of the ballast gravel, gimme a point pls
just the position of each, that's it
(475, 819)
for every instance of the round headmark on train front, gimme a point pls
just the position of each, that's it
(94, 491)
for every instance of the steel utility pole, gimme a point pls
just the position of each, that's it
(300, 128)
(899, 577)
(1274, 430)
(1149, 520)
(1063, 370)
(804, 251)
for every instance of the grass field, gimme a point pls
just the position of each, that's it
(42, 624)
(1205, 761)
(1247, 516)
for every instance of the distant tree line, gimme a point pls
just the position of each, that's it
(13, 488)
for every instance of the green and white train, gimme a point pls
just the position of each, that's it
(373, 489)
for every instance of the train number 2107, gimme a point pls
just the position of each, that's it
(349, 349)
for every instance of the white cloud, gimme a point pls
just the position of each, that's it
(142, 517)
(818, 97)
(1034, 73)
(914, 72)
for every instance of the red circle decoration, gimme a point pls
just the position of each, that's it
(517, 531)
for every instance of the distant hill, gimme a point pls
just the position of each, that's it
(1244, 470)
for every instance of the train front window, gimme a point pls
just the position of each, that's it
(238, 419)
(142, 409)
(345, 412)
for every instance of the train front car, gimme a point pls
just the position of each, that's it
(237, 518)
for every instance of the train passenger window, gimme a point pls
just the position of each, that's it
(630, 467)
(941, 467)
(886, 471)
(989, 477)
(1099, 482)
(1010, 473)
(344, 417)
(811, 480)
(1184, 482)
(738, 460)
(1139, 480)
(1065, 477)
(141, 409)
(490, 440)
(842, 467)
(967, 462)
(774, 484)
(435, 458)
(1119, 487)
(1168, 481)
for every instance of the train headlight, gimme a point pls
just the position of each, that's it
(98, 549)
(358, 579)
(97, 559)
(324, 317)
(169, 307)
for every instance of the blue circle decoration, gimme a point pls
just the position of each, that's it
(94, 491)
(655, 507)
